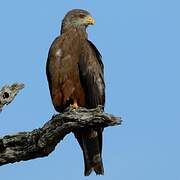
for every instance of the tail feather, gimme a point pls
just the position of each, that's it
(90, 141)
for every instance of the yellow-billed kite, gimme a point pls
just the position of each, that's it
(75, 75)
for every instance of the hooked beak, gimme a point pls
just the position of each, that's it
(90, 20)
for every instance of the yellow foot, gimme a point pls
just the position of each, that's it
(74, 106)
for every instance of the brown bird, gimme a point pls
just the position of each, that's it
(75, 76)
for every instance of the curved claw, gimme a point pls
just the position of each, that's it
(74, 106)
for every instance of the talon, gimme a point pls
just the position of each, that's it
(74, 105)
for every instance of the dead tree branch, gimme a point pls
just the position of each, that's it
(8, 93)
(41, 142)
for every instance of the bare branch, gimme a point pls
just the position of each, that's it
(8, 93)
(41, 142)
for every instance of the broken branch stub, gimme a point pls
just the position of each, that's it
(8, 93)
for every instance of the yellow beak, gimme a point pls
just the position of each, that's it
(90, 20)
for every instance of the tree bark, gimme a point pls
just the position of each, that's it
(8, 93)
(41, 142)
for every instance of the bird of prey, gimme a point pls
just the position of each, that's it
(75, 75)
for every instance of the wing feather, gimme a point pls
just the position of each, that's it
(92, 79)
(91, 74)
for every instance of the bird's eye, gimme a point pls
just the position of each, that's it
(81, 15)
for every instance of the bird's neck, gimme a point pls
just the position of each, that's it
(80, 30)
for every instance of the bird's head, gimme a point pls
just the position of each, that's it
(77, 18)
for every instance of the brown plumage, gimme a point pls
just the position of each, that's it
(75, 75)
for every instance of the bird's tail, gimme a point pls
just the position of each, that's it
(90, 140)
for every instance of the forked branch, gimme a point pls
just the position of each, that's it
(41, 142)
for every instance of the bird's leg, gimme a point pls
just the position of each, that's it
(74, 105)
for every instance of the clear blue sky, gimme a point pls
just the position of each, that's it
(140, 44)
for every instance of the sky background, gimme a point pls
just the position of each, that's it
(140, 44)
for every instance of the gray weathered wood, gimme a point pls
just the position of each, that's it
(41, 142)
(8, 93)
